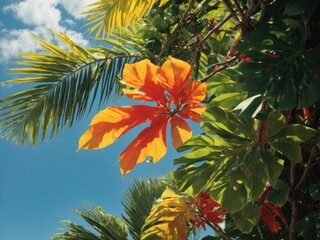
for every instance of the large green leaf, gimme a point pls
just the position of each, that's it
(247, 218)
(280, 69)
(65, 86)
(227, 160)
(279, 194)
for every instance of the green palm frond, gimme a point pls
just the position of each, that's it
(138, 201)
(107, 227)
(105, 15)
(65, 85)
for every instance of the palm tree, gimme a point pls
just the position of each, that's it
(137, 202)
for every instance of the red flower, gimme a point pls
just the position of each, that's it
(268, 210)
(209, 211)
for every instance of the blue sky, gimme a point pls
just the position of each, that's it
(41, 185)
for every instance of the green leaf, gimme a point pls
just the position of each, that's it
(291, 150)
(274, 166)
(296, 133)
(138, 200)
(105, 225)
(308, 227)
(314, 190)
(250, 107)
(280, 70)
(247, 218)
(279, 194)
(232, 195)
(275, 123)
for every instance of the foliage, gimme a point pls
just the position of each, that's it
(257, 160)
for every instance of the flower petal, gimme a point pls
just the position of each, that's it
(135, 95)
(194, 92)
(110, 124)
(151, 142)
(142, 76)
(266, 212)
(180, 131)
(173, 76)
(193, 112)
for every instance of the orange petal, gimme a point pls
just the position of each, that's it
(135, 95)
(142, 76)
(268, 218)
(194, 92)
(173, 76)
(150, 143)
(110, 124)
(180, 131)
(193, 112)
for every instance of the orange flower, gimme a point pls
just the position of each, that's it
(176, 98)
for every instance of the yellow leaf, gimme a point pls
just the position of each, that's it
(169, 219)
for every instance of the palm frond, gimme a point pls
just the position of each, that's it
(65, 85)
(104, 15)
(106, 226)
(138, 201)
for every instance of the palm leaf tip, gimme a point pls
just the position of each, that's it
(105, 16)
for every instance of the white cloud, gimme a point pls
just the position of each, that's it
(36, 13)
(74, 8)
(39, 16)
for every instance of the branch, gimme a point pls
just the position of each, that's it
(174, 32)
(244, 18)
(293, 201)
(205, 38)
(234, 14)
(252, 8)
(218, 230)
(223, 65)
(306, 171)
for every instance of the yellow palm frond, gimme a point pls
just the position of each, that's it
(105, 15)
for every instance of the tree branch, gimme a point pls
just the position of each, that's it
(232, 11)
(293, 201)
(218, 230)
(174, 32)
(306, 171)
(213, 30)
(223, 65)
(244, 18)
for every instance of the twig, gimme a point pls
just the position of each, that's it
(306, 171)
(218, 230)
(171, 36)
(293, 201)
(214, 29)
(234, 14)
(252, 8)
(224, 65)
(244, 18)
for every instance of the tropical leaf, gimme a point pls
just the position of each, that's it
(106, 227)
(138, 200)
(280, 69)
(169, 218)
(104, 15)
(65, 86)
